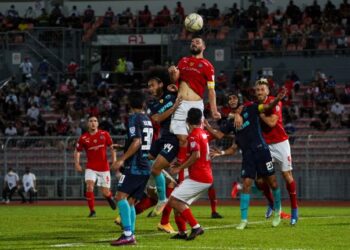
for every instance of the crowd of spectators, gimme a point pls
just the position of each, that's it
(294, 29)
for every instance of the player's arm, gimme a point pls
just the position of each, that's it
(266, 107)
(195, 155)
(113, 153)
(174, 74)
(133, 148)
(161, 117)
(229, 151)
(212, 102)
(270, 120)
(217, 134)
(77, 161)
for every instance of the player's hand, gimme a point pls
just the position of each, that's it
(173, 70)
(216, 115)
(206, 123)
(282, 93)
(174, 168)
(118, 164)
(78, 168)
(177, 102)
(238, 120)
(172, 88)
(214, 152)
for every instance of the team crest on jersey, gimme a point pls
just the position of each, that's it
(102, 137)
(161, 101)
(132, 130)
(200, 65)
(277, 108)
(95, 141)
(191, 63)
(193, 144)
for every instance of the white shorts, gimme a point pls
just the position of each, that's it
(189, 190)
(178, 124)
(281, 156)
(103, 178)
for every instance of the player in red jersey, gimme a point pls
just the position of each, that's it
(200, 177)
(95, 143)
(192, 76)
(277, 139)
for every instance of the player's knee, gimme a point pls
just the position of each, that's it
(156, 170)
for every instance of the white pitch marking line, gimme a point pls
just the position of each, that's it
(78, 244)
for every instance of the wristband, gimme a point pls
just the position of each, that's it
(222, 152)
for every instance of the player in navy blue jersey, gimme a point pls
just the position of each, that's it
(165, 148)
(257, 159)
(137, 168)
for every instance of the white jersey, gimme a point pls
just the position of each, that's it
(28, 181)
(12, 179)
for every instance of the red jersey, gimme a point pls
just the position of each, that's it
(95, 147)
(198, 140)
(197, 73)
(277, 133)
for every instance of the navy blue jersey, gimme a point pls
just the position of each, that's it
(249, 136)
(139, 126)
(160, 106)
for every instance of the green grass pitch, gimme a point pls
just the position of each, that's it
(67, 227)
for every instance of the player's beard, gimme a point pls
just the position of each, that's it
(195, 51)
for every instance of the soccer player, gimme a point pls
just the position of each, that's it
(137, 167)
(191, 75)
(163, 150)
(200, 177)
(277, 139)
(95, 142)
(256, 160)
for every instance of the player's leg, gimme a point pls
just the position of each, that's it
(132, 214)
(146, 202)
(213, 202)
(31, 195)
(104, 181)
(181, 226)
(291, 187)
(244, 202)
(186, 193)
(272, 181)
(11, 193)
(265, 189)
(4, 194)
(90, 180)
(164, 224)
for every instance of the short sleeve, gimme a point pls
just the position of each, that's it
(134, 127)
(210, 73)
(193, 144)
(109, 140)
(209, 136)
(33, 176)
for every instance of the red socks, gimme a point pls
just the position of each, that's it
(291, 187)
(188, 216)
(212, 199)
(180, 222)
(90, 197)
(167, 210)
(181, 158)
(264, 187)
(144, 204)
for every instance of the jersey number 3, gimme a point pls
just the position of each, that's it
(147, 138)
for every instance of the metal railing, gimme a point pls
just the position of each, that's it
(321, 166)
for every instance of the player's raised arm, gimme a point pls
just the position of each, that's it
(174, 74)
(217, 134)
(271, 105)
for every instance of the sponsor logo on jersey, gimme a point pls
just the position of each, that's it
(191, 64)
(161, 101)
(132, 130)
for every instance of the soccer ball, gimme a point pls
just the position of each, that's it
(193, 22)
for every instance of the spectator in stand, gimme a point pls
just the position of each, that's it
(308, 104)
(108, 18)
(74, 18)
(11, 130)
(263, 11)
(11, 98)
(344, 10)
(56, 17)
(323, 122)
(93, 110)
(62, 95)
(78, 108)
(33, 130)
(43, 69)
(33, 112)
(11, 182)
(33, 99)
(203, 11)
(145, 17)
(337, 112)
(163, 18)
(345, 97)
(43, 18)
(313, 11)
(213, 12)
(296, 81)
(45, 97)
(289, 85)
(12, 16)
(278, 19)
(221, 87)
(179, 13)
(72, 69)
(231, 19)
(29, 15)
(126, 18)
(293, 13)
(119, 127)
(62, 127)
(26, 68)
(330, 86)
(28, 186)
(89, 15)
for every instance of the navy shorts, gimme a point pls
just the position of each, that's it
(133, 185)
(167, 147)
(257, 163)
